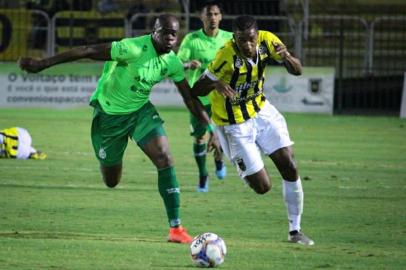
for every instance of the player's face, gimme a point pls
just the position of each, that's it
(247, 42)
(211, 17)
(166, 37)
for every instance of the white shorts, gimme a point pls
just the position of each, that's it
(244, 143)
(24, 144)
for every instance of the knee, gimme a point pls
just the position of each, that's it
(290, 171)
(263, 188)
(111, 175)
(111, 184)
(163, 159)
(200, 140)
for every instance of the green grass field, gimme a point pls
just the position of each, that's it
(57, 213)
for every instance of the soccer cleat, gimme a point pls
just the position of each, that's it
(221, 174)
(38, 155)
(299, 238)
(179, 235)
(204, 188)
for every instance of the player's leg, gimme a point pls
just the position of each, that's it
(151, 138)
(198, 131)
(155, 146)
(275, 142)
(292, 193)
(238, 144)
(221, 169)
(109, 135)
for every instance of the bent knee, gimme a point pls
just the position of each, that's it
(263, 188)
(163, 160)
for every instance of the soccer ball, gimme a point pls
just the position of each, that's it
(208, 250)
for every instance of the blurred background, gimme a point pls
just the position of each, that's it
(363, 40)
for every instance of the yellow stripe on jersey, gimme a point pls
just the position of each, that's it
(10, 142)
(245, 77)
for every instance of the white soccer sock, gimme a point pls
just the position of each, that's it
(293, 196)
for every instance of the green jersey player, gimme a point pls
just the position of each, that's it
(197, 50)
(122, 109)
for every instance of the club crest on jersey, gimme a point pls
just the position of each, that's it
(262, 49)
(102, 153)
(238, 62)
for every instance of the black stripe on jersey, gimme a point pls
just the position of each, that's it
(243, 105)
(255, 104)
(230, 114)
(235, 75)
(220, 67)
(261, 68)
(233, 82)
(9, 136)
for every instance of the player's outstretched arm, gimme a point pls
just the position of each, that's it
(205, 85)
(95, 52)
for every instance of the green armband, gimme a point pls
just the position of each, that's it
(210, 128)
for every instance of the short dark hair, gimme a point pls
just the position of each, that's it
(242, 23)
(209, 3)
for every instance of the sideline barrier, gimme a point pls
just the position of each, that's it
(24, 32)
(75, 28)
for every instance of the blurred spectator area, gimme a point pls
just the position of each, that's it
(364, 40)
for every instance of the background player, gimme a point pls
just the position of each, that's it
(197, 50)
(16, 142)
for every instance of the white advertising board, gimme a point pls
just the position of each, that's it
(71, 85)
(313, 91)
(60, 87)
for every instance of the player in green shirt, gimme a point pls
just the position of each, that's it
(122, 109)
(197, 50)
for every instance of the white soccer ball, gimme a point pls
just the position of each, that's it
(208, 250)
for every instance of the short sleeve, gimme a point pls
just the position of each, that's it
(124, 50)
(176, 70)
(184, 52)
(221, 65)
(269, 38)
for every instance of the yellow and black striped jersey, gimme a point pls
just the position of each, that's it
(245, 76)
(9, 145)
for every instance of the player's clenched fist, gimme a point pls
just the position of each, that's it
(30, 64)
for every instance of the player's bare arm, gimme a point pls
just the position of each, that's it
(292, 64)
(205, 85)
(94, 52)
(196, 108)
(192, 103)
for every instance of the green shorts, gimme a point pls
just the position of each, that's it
(110, 133)
(197, 128)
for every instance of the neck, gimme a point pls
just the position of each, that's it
(210, 32)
